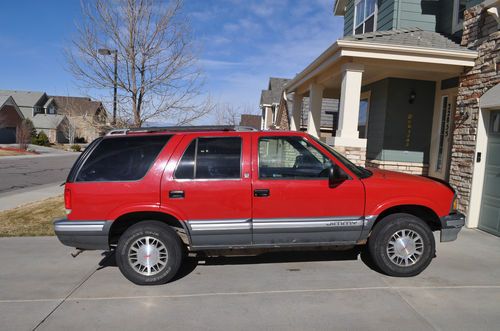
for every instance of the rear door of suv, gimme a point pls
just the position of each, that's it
(117, 174)
(207, 184)
(292, 200)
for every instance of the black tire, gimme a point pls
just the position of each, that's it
(381, 245)
(169, 251)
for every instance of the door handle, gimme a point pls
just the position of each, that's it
(259, 193)
(176, 194)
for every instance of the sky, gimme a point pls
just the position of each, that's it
(240, 44)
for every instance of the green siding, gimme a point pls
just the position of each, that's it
(349, 18)
(376, 117)
(388, 120)
(417, 14)
(398, 14)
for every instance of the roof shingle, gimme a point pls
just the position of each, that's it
(413, 37)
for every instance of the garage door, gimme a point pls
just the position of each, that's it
(489, 219)
(7, 135)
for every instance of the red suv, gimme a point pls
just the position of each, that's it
(153, 195)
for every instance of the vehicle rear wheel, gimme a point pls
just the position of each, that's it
(401, 245)
(149, 253)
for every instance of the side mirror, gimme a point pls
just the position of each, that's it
(336, 176)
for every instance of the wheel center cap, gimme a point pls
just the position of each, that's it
(148, 255)
(404, 247)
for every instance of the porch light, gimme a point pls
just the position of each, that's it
(412, 97)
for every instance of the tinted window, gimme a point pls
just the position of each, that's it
(211, 158)
(185, 169)
(291, 157)
(121, 159)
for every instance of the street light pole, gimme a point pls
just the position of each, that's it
(115, 87)
(105, 51)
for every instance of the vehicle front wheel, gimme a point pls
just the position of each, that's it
(401, 245)
(149, 253)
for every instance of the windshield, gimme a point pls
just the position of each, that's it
(357, 170)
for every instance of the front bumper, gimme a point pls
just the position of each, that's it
(451, 225)
(83, 234)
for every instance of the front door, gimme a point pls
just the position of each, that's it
(489, 218)
(292, 201)
(439, 168)
(210, 188)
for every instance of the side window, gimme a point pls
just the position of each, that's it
(291, 157)
(121, 159)
(211, 158)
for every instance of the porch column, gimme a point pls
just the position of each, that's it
(350, 93)
(314, 116)
(296, 112)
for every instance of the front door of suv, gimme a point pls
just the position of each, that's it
(292, 200)
(208, 185)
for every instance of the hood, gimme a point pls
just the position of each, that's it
(395, 176)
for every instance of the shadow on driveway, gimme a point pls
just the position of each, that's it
(189, 264)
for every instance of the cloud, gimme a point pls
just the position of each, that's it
(246, 42)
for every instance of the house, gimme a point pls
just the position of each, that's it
(62, 118)
(88, 117)
(416, 82)
(252, 121)
(10, 119)
(275, 103)
(40, 109)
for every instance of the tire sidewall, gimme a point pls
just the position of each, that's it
(381, 236)
(156, 230)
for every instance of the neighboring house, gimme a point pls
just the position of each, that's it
(40, 109)
(55, 126)
(398, 73)
(252, 121)
(276, 103)
(270, 100)
(88, 117)
(10, 119)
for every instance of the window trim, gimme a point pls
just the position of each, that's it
(290, 178)
(366, 95)
(456, 24)
(119, 181)
(374, 14)
(195, 158)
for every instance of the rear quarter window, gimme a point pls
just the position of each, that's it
(121, 158)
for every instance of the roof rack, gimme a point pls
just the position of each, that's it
(116, 132)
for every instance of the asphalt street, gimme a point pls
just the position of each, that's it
(43, 288)
(17, 173)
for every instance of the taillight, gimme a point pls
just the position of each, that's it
(67, 200)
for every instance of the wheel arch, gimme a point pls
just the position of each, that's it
(425, 213)
(123, 222)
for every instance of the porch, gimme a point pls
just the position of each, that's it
(397, 91)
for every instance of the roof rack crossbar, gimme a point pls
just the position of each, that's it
(181, 128)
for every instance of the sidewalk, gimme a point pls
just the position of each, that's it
(13, 199)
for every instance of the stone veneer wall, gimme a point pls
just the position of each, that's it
(480, 33)
(356, 155)
(406, 167)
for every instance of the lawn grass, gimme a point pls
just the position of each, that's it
(34, 219)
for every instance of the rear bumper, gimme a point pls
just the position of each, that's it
(83, 234)
(451, 225)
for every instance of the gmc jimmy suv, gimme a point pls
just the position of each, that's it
(155, 194)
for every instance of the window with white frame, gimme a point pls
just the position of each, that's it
(365, 12)
(459, 7)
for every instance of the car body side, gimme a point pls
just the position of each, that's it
(116, 205)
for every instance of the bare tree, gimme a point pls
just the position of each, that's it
(25, 131)
(226, 114)
(157, 75)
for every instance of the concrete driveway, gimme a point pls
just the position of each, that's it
(42, 287)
